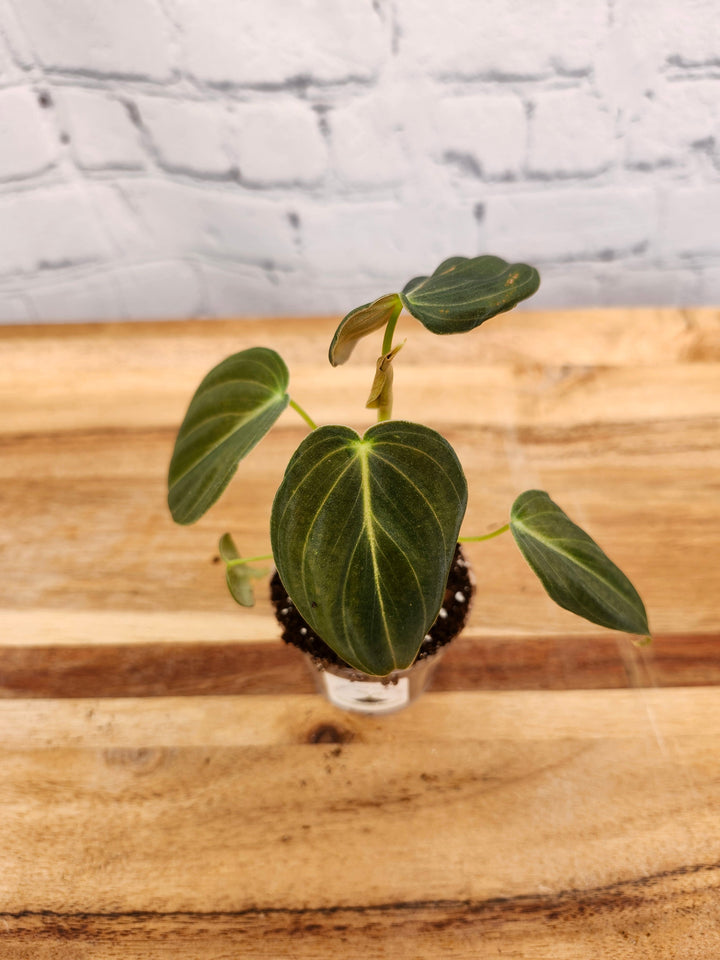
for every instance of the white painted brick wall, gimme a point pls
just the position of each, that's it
(692, 222)
(99, 130)
(501, 38)
(188, 136)
(606, 223)
(128, 39)
(246, 42)
(571, 134)
(281, 144)
(47, 229)
(483, 133)
(28, 147)
(226, 157)
(278, 142)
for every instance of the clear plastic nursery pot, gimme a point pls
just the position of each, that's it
(350, 689)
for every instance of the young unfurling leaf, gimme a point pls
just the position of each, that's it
(380, 397)
(359, 323)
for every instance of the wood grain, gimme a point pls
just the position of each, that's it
(86, 447)
(548, 824)
(172, 787)
(472, 663)
(618, 922)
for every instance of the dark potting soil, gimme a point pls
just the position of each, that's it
(450, 621)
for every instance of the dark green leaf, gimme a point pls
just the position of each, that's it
(233, 408)
(572, 567)
(462, 293)
(363, 533)
(359, 323)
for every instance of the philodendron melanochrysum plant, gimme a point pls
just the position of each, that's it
(363, 528)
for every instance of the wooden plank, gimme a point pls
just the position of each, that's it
(140, 374)
(635, 335)
(56, 489)
(660, 718)
(471, 824)
(90, 555)
(170, 785)
(169, 668)
(655, 918)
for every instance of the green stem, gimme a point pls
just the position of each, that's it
(238, 561)
(385, 411)
(306, 417)
(485, 536)
(390, 330)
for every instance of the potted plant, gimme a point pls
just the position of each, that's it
(365, 530)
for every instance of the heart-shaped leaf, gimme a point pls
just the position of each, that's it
(359, 323)
(233, 408)
(571, 566)
(363, 533)
(462, 293)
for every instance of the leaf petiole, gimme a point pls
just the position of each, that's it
(238, 561)
(306, 416)
(390, 329)
(485, 536)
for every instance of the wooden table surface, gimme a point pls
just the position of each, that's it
(172, 787)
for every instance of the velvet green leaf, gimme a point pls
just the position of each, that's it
(232, 409)
(571, 566)
(462, 293)
(363, 533)
(359, 323)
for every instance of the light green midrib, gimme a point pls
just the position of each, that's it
(390, 537)
(368, 528)
(208, 452)
(518, 524)
(591, 613)
(427, 304)
(370, 533)
(250, 415)
(456, 287)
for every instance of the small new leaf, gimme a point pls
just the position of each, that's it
(232, 410)
(575, 572)
(359, 323)
(238, 576)
(462, 293)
